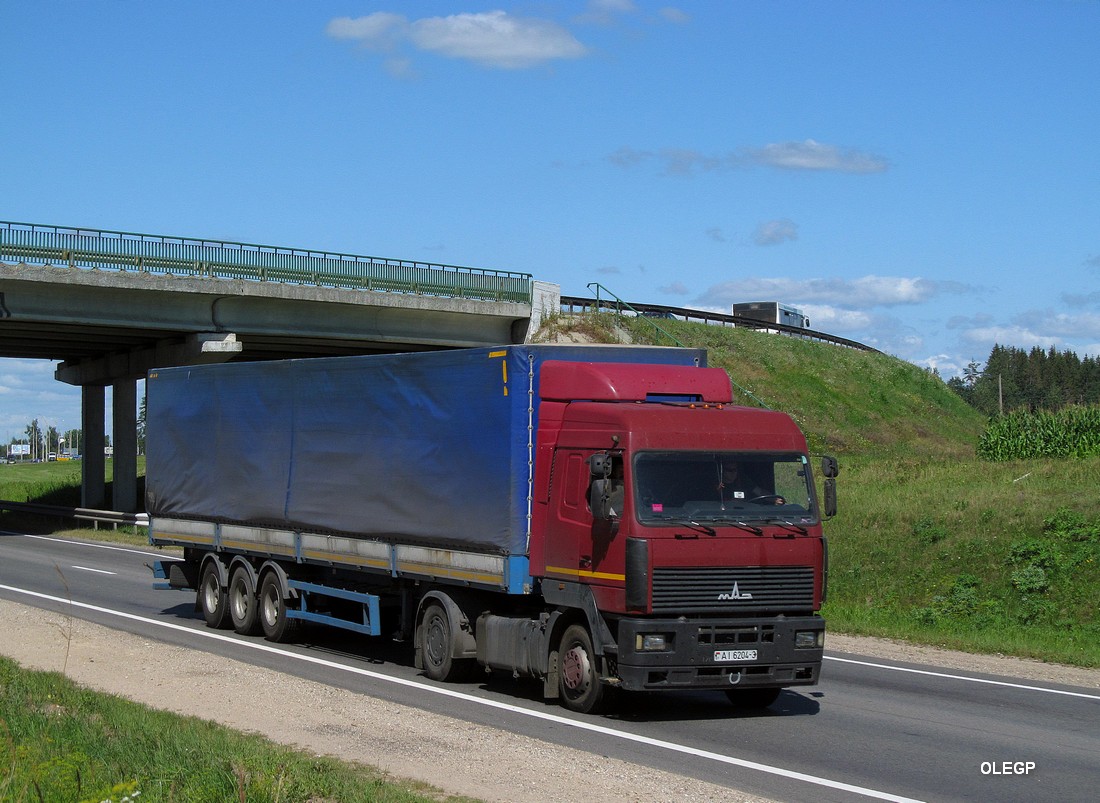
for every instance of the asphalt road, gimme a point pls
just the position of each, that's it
(872, 729)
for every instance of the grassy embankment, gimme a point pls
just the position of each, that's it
(931, 544)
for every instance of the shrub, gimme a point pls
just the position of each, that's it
(928, 531)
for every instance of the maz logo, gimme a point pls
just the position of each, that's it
(735, 594)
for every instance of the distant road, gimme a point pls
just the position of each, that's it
(872, 729)
(658, 311)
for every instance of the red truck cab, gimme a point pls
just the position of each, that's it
(688, 528)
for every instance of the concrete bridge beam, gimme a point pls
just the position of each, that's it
(199, 348)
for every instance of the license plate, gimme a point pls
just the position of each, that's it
(734, 655)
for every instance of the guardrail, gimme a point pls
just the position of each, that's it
(112, 517)
(575, 303)
(619, 305)
(184, 256)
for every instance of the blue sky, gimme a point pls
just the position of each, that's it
(921, 177)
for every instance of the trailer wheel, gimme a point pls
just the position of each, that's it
(277, 626)
(242, 602)
(212, 597)
(753, 698)
(437, 647)
(579, 685)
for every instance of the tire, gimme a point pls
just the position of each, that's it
(579, 686)
(752, 698)
(242, 602)
(271, 610)
(437, 647)
(212, 598)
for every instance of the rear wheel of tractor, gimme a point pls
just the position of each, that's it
(753, 698)
(212, 597)
(272, 611)
(437, 641)
(579, 685)
(242, 602)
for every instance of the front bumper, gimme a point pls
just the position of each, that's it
(718, 654)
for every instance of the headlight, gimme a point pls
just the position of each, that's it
(807, 639)
(652, 642)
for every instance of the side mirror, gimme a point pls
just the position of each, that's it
(829, 466)
(599, 499)
(599, 464)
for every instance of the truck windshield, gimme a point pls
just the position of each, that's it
(716, 486)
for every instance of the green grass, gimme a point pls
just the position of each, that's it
(931, 544)
(59, 742)
(53, 482)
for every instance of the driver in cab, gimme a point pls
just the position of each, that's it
(734, 486)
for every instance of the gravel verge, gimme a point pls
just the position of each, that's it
(456, 757)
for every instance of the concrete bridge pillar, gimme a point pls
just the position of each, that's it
(93, 491)
(124, 438)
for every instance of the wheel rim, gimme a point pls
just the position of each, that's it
(437, 640)
(211, 594)
(576, 670)
(270, 608)
(239, 601)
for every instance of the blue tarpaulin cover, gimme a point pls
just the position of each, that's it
(426, 448)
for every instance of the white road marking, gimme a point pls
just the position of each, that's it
(469, 698)
(963, 677)
(97, 571)
(100, 546)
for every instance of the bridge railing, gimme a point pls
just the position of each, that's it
(180, 256)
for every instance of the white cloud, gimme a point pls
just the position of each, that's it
(863, 293)
(812, 155)
(985, 337)
(28, 391)
(492, 39)
(774, 232)
(944, 364)
(807, 155)
(1060, 324)
(827, 318)
(381, 30)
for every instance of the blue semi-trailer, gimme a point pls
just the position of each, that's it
(550, 511)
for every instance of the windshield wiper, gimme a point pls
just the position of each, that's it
(798, 528)
(744, 525)
(687, 523)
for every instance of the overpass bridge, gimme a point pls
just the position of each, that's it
(111, 305)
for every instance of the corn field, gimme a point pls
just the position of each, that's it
(1070, 432)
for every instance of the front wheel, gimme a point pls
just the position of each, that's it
(579, 685)
(437, 647)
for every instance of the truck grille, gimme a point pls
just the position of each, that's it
(733, 590)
